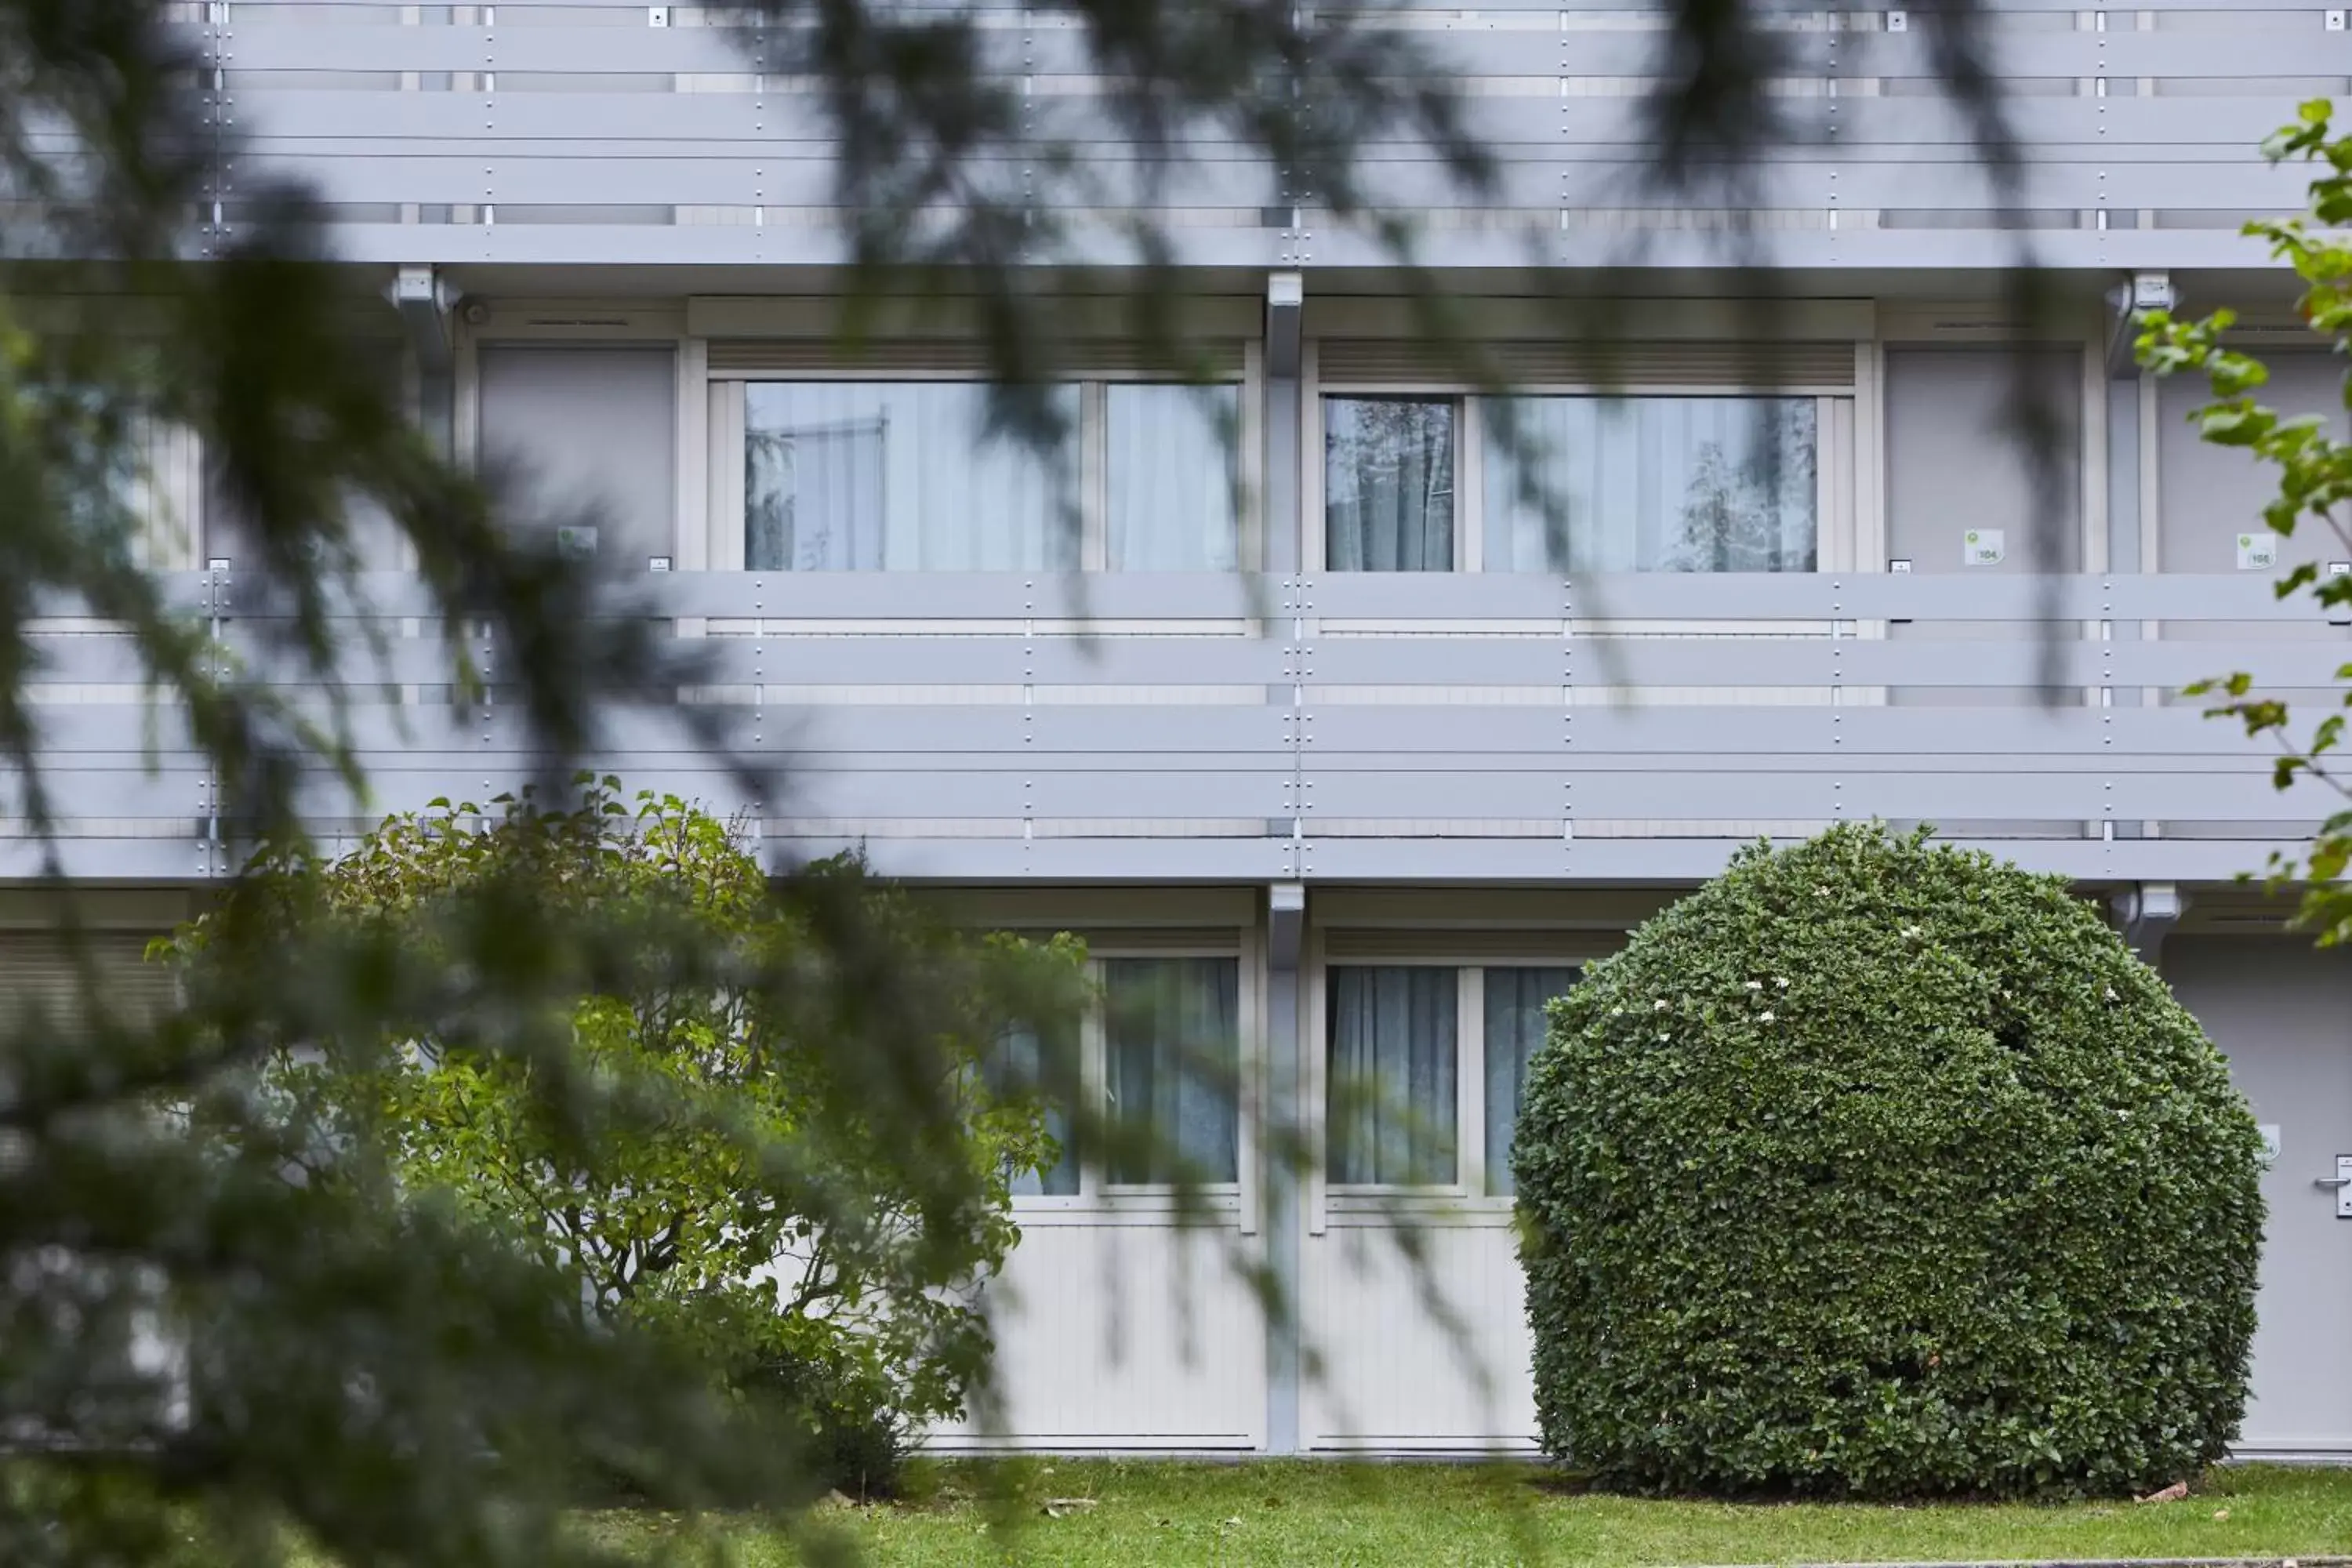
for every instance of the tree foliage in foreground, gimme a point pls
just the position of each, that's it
(755, 1221)
(1880, 1168)
(2315, 486)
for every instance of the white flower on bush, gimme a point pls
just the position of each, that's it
(1765, 1016)
(1756, 986)
(1661, 1006)
(1911, 932)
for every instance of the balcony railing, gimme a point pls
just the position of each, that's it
(607, 130)
(1337, 727)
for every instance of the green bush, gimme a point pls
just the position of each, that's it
(1881, 1169)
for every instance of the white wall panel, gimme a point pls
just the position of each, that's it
(1396, 1372)
(1126, 1336)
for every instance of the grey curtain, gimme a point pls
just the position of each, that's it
(1021, 1064)
(1392, 1100)
(1171, 477)
(1388, 484)
(1172, 1062)
(1661, 484)
(899, 477)
(1514, 1032)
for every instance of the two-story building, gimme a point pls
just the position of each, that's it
(1353, 763)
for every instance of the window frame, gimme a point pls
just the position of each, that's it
(1465, 1200)
(1098, 1196)
(1836, 479)
(723, 394)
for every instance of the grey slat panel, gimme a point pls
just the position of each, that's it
(121, 729)
(265, 44)
(790, 125)
(1813, 596)
(997, 661)
(984, 595)
(1524, 178)
(1797, 795)
(787, 124)
(1601, 861)
(2246, 53)
(1767, 661)
(642, 178)
(1053, 734)
(1113, 858)
(606, 120)
(176, 792)
(1064, 861)
(1731, 735)
(704, 246)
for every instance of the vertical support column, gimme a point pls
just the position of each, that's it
(1279, 1138)
(1279, 1143)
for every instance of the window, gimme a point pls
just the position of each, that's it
(1171, 1040)
(1021, 1063)
(1393, 1071)
(1159, 1054)
(1418, 1057)
(1169, 462)
(1514, 1004)
(897, 476)
(902, 476)
(1388, 484)
(1660, 484)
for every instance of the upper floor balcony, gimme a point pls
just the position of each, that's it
(610, 133)
(1327, 726)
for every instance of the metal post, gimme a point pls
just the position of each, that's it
(1284, 1216)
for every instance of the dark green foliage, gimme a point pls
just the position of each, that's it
(1881, 1169)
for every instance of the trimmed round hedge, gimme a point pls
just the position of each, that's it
(1879, 1169)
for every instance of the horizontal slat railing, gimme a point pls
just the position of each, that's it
(591, 134)
(1004, 726)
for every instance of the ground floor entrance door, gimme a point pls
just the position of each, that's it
(2282, 1012)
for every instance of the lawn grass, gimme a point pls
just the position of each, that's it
(1149, 1513)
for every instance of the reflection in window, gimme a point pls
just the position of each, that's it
(1391, 1084)
(1170, 455)
(894, 477)
(1659, 484)
(1388, 484)
(1171, 1068)
(1021, 1064)
(1514, 1032)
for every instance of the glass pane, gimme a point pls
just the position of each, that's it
(1393, 1099)
(1388, 484)
(1171, 476)
(894, 476)
(1514, 1032)
(1659, 484)
(1020, 1064)
(1171, 1068)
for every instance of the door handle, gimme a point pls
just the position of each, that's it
(2332, 1180)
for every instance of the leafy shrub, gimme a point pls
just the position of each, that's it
(812, 1227)
(1881, 1169)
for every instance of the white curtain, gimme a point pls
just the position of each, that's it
(894, 477)
(1514, 1032)
(1171, 1068)
(1391, 1099)
(1171, 476)
(1657, 484)
(1022, 1065)
(1388, 484)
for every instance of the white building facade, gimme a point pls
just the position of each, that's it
(1361, 769)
